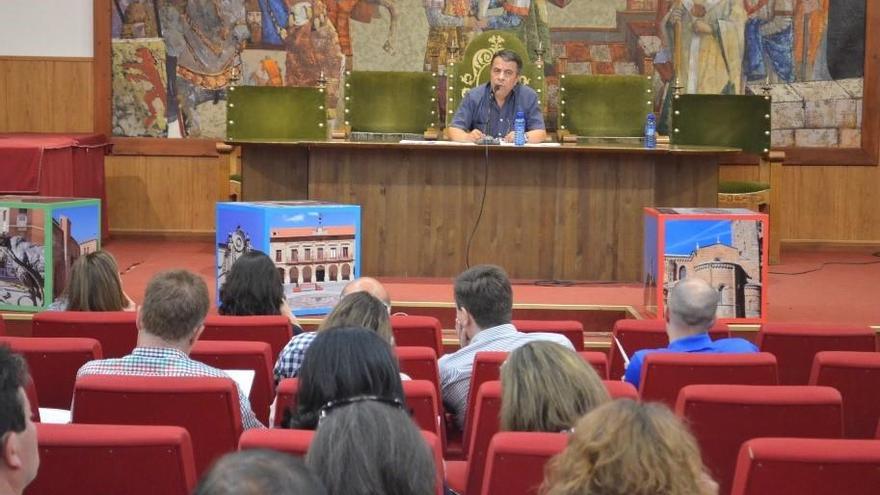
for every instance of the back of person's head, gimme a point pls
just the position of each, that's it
(175, 305)
(94, 284)
(252, 287)
(366, 447)
(343, 363)
(259, 472)
(360, 309)
(18, 437)
(368, 284)
(485, 292)
(547, 387)
(627, 448)
(692, 305)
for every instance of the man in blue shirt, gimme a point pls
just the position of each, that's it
(489, 109)
(690, 313)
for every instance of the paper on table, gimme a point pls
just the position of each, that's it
(244, 379)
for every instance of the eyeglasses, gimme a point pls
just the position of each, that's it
(334, 404)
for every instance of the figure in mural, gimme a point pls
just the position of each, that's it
(273, 28)
(268, 74)
(137, 20)
(26, 260)
(146, 71)
(449, 23)
(810, 29)
(313, 48)
(341, 12)
(769, 38)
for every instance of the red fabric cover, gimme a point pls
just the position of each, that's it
(802, 465)
(665, 373)
(635, 335)
(31, 391)
(572, 330)
(436, 447)
(285, 397)
(515, 464)
(796, 344)
(2, 325)
(857, 376)
(293, 442)
(243, 355)
(598, 360)
(419, 363)
(274, 330)
(423, 404)
(417, 331)
(207, 407)
(115, 330)
(487, 367)
(722, 417)
(134, 460)
(621, 390)
(486, 424)
(53, 363)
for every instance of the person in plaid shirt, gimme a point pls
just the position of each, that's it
(169, 323)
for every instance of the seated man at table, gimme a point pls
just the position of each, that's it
(690, 313)
(489, 109)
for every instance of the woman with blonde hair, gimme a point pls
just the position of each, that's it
(547, 387)
(627, 448)
(94, 285)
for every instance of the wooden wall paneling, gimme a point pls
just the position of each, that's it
(738, 173)
(5, 71)
(46, 94)
(277, 171)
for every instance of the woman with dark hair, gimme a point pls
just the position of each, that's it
(368, 446)
(94, 285)
(341, 364)
(253, 287)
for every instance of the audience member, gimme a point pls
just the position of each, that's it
(169, 323)
(370, 285)
(690, 313)
(368, 445)
(253, 287)
(547, 387)
(357, 309)
(483, 310)
(341, 364)
(259, 472)
(627, 448)
(94, 285)
(18, 434)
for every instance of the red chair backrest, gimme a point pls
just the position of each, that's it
(436, 446)
(115, 330)
(515, 464)
(722, 417)
(806, 465)
(487, 367)
(486, 424)
(274, 330)
(665, 373)
(424, 405)
(419, 363)
(417, 331)
(53, 363)
(856, 375)
(795, 345)
(2, 325)
(293, 442)
(31, 391)
(135, 460)
(635, 335)
(243, 355)
(572, 330)
(206, 407)
(621, 390)
(285, 398)
(598, 360)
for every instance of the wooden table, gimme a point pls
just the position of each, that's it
(571, 212)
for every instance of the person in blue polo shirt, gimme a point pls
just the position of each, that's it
(690, 313)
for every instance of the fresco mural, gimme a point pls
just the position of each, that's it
(809, 54)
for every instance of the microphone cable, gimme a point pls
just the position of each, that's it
(467, 255)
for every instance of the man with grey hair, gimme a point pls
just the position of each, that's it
(690, 313)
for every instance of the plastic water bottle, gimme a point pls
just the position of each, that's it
(519, 129)
(651, 131)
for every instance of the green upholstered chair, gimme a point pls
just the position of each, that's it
(270, 113)
(396, 104)
(603, 106)
(472, 69)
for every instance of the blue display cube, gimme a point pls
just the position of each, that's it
(35, 229)
(315, 245)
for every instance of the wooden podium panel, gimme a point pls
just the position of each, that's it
(567, 213)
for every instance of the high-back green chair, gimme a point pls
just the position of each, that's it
(270, 113)
(603, 106)
(401, 104)
(472, 68)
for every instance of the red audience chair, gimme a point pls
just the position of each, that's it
(621, 390)
(2, 325)
(487, 367)
(417, 331)
(598, 360)
(424, 405)
(207, 408)
(243, 355)
(466, 477)
(857, 376)
(134, 460)
(115, 330)
(285, 398)
(635, 335)
(274, 330)
(771, 466)
(31, 391)
(722, 417)
(665, 373)
(572, 330)
(53, 363)
(795, 345)
(515, 464)
(419, 363)
(293, 442)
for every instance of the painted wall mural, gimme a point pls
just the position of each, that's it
(173, 60)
